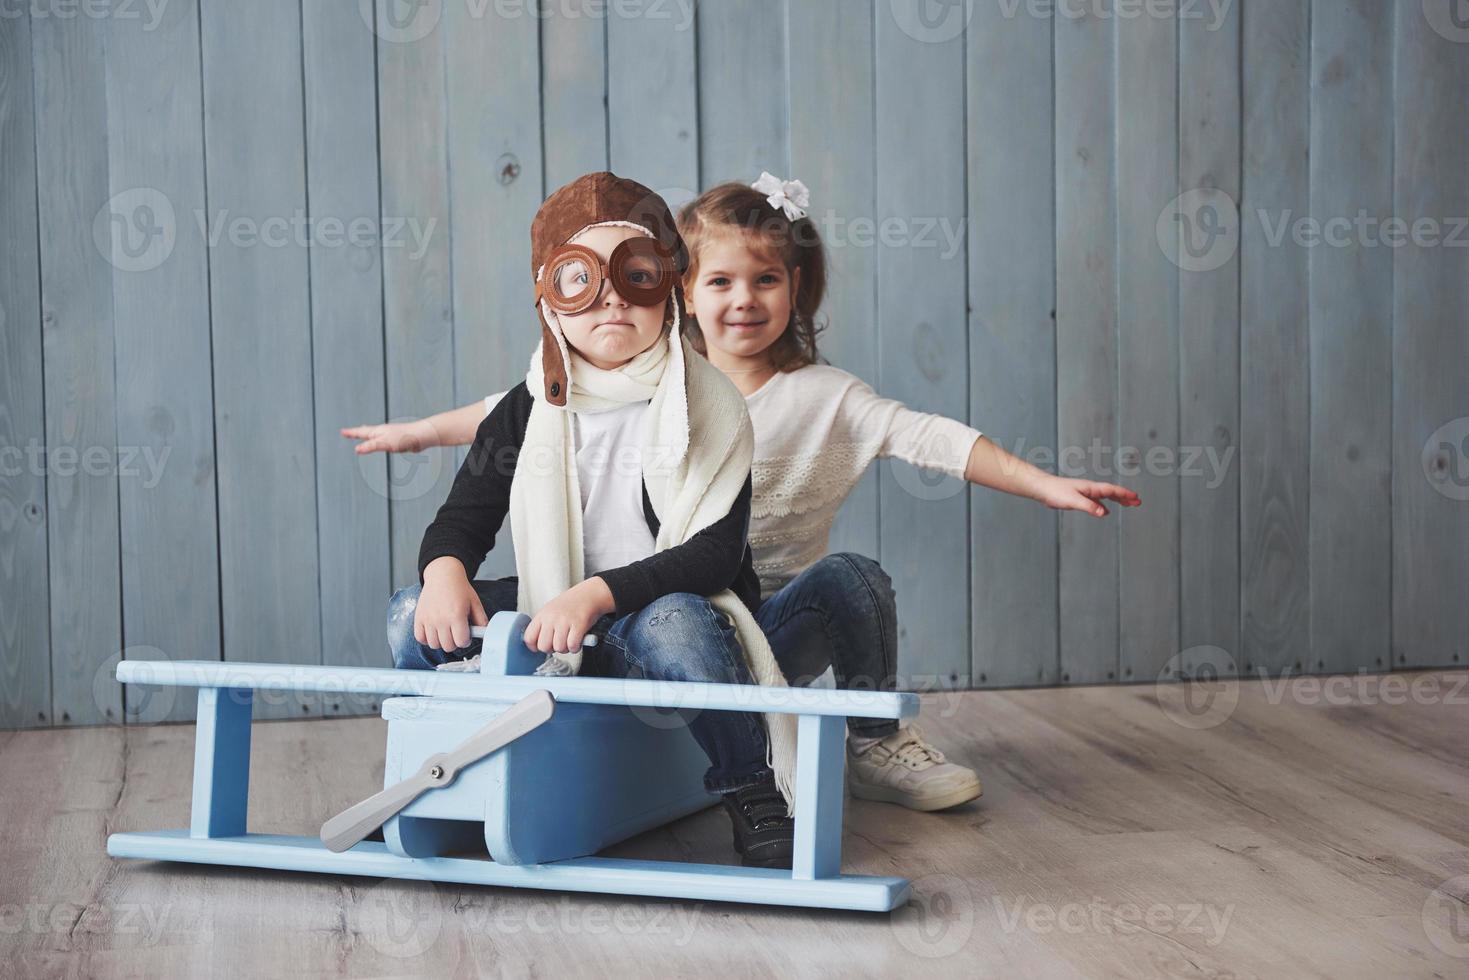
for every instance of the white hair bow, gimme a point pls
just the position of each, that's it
(791, 196)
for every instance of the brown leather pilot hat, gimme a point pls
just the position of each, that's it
(594, 199)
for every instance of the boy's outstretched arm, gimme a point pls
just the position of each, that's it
(455, 427)
(992, 466)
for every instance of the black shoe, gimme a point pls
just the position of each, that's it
(763, 834)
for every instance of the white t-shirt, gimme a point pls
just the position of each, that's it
(609, 468)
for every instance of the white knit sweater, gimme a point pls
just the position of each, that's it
(817, 429)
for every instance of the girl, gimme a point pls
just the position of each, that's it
(615, 387)
(755, 282)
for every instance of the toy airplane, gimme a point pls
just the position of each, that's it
(542, 772)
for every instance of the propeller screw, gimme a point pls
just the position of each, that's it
(437, 772)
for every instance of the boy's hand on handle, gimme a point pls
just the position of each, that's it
(1063, 493)
(447, 606)
(393, 437)
(561, 624)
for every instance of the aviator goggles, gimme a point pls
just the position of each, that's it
(640, 269)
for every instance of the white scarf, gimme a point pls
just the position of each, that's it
(688, 490)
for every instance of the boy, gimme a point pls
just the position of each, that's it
(623, 462)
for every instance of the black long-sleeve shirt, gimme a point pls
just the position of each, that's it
(716, 558)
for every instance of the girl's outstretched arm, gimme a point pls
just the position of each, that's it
(992, 466)
(935, 442)
(452, 428)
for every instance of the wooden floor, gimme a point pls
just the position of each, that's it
(1306, 834)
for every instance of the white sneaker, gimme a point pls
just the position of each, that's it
(903, 768)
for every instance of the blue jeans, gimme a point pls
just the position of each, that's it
(679, 637)
(840, 612)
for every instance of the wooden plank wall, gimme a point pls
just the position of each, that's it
(25, 622)
(230, 232)
(1208, 330)
(1430, 343)
(164, 354)
(346, 301)
(1012, 354)
(76, 368)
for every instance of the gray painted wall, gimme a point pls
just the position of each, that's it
(230, 229)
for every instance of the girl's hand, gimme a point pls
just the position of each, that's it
(447, 606)
(393, 437)
(561, 624)
(1062, 493)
